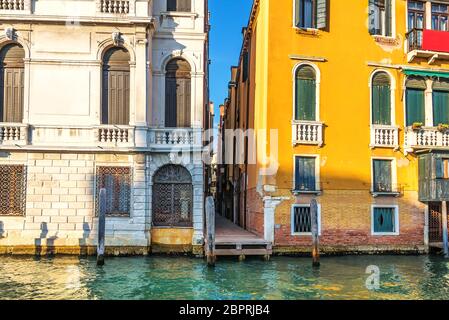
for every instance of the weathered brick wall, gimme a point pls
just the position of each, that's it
(345, 221)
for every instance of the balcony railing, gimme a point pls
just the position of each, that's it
(426, 137)
(114, 6)
(384, 136)
(386, 189)
(115, 135)
(12, 5)
(174, 137)
(414, 39)
(13, 134)
(307, 132)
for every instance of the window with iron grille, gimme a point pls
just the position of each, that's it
(172, 197)
(385, 220)
(302, 219)
(179, 5)
(12, 190)
(117, 182)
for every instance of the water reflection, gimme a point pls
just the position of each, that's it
(401, 277)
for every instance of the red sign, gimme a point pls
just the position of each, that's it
(435, 40)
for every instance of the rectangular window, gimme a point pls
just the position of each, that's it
(385, 220)
(380, 17)
(302, 219)
(305, 174)
(117, 182)
(382, 175)
(415, 106)
(311, 14)
(12, 190)
(416, 15)
(179, 5)
(440, 17)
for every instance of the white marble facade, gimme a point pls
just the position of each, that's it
(61, 140)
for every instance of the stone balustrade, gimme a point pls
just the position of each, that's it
(115, 6)
(12, 5)
(426, 137)
(13, 133)
(307, 132)
(384, 136)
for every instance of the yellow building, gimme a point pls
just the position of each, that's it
(357, 93)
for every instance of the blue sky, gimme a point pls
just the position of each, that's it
(228, 17)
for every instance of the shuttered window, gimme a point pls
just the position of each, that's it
(380, 17)
(384, 220)
(440, 102)
(116, 82)
(117, 182)
(305, 94)
(178, 94)
(179, 5)
(305, 179)
(382, 175)
(415, 101)
(311, 14)
(11, 83)
(381, 99)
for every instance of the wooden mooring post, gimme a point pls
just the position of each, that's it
(445, 235)
(101, 227)
(315, 233)
(210, 226)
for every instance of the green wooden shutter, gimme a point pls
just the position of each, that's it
(381, 104)
(415, 106)
(305, 94)
(439, 168)
(322, 8)
(384, 220)
(382, 175)
(305, 174)
(440, 107)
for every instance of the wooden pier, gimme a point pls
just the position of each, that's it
(232, 240)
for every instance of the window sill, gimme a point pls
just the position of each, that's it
(304, 234)
(376, 194)
(179, 14)
(307, 31)
(313, 192)
(170, 227)
(380, 234)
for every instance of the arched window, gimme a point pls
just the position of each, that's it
(115, 92)
(11, 83)
(177, 94)
(381, 98)
(305, 94)
(440, 101)
(172, 197)
(415, 101)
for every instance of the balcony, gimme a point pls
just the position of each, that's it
(15, 134)
(168, 138)
(115, 7)
(432, 45)
(307, 132)
(425, 138)
(384, 136)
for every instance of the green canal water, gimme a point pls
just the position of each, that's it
(154, 277)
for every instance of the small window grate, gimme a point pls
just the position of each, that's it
(12, 190)
(384, 220)
(302, 220)
(117, 182)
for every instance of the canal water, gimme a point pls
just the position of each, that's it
(155, 277)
